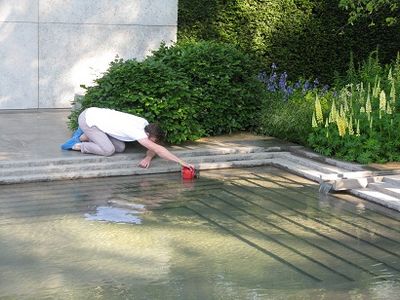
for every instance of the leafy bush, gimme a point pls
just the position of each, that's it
(224, 78)
(191, 89)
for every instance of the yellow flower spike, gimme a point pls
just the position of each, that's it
(362, 109)
(318, 111)
(314, 121)
(393, 93)
(368, 106)
(342, 126)
(341, 113)
(338, 127)
(389, 109)
(350, 126)
(358, 128)
(333, 113)
(346, 106)
(382, 101)
(377, 88)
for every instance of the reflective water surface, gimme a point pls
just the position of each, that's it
(258, 233)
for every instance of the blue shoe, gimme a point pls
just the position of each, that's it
(77, 133)
(70, 143)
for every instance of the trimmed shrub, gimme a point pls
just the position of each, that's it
(191, 89)
(148, 89)
(226, 80)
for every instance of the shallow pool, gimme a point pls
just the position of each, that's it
(258, 233)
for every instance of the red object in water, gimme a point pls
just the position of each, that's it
(189, 173)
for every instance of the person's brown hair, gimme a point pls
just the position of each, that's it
(155, 131)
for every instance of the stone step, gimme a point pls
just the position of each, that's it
(130, 157)
(121, 164)
(395, 179)
(343, 165)
(377, 197)
(390, 189)
(317, 166)
(298, 169)
(164, 167)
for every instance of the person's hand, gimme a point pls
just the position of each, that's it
(145, 163)
(184, 164)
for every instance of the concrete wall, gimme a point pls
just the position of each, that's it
(49, 47)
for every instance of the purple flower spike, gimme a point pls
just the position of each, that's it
(282, 81)
(306, 86)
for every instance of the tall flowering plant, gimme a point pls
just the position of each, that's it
(287, 108)
(362, 122)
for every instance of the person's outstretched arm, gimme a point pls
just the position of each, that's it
(162, 152)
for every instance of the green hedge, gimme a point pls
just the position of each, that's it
(192, 89)
(307, 38)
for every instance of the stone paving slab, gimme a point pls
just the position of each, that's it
(38, 134)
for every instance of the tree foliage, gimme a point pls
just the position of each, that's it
(306, 38)
(372, 10)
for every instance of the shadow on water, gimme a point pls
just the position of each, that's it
(230, 234)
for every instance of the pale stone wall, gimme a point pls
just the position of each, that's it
(48, 48)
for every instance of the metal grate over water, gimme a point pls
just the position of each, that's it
(258, 233)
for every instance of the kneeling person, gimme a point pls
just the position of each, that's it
(105, 132)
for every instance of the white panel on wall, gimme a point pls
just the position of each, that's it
(19, 10)
(49, 47)
(143, 12)
(71, 55)
(18, 65)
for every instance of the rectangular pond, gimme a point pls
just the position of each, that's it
(256, 233)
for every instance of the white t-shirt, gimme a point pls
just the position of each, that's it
(122, 126)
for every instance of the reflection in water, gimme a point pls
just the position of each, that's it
(115, 214)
